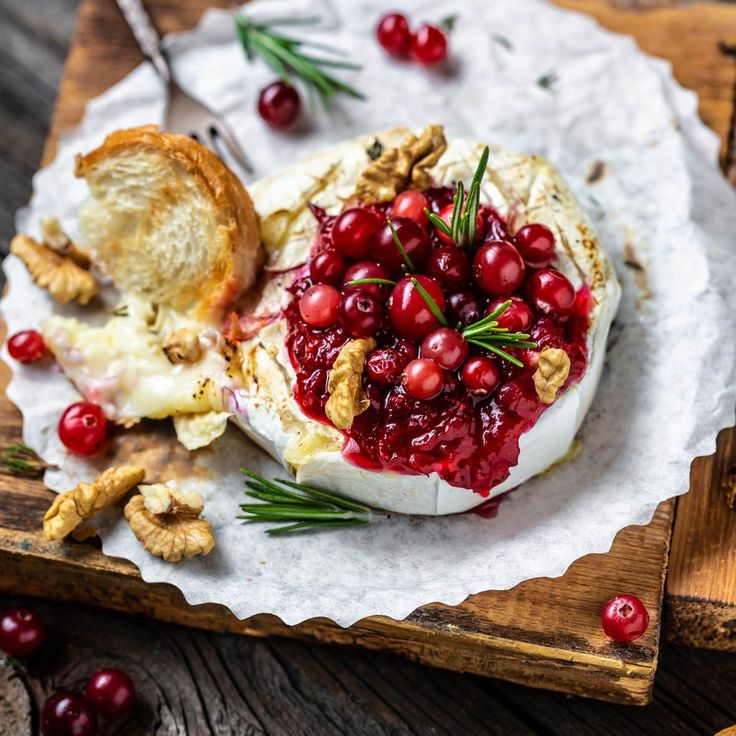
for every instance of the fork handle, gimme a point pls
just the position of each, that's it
(144, 32)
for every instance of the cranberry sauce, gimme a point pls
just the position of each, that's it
(468, 437)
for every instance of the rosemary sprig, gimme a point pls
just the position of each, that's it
(464, 219)
(291, 57)
(20, 460)
(302, 505)
(408, 265)
(485, 333)
(380, 282)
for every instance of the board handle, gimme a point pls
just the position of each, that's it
(145, 34)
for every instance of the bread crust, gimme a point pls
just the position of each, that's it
(233, 268)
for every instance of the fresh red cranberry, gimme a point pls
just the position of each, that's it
(361, 314)
(451, 267)
(445, 346)
(21, 632)
(409, 313)
(367, 270)
(67, 714)
(327, 267)
(83, 428)
(394, 35)
(384, 366)
(278, 104)
(463, 307)
(624, 618)
(320, 305)
(27, 346)
(406, 349)
(412, 237)
(480, 374)
(428, 45)
(446, 216)
(517, 317)
(498, 268)
(551, 292)
(110, 692)
(423, 379)
(536, 243)
(412, 205)
(353, 232)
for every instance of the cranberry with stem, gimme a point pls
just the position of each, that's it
(319, 306)
(21, 632)
(27, 346)
(498, 268)
(536, 243)
(517, 317)
(624, 618)
(450, 266)
(361, 314)
(367, 270)
(428, 45)
(279, 104)
(413, 239)
(327, 267)
(67, 714)
(410, 314)
(412, 205)
(384, 366)
(445, 346)
(110, 692)
(353, 232)
(480, 374)
(423, 379)
(394, 35)
(551, 292)
(83, 428)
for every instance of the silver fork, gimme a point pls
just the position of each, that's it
(184, 113)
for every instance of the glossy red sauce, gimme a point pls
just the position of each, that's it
(470, 443)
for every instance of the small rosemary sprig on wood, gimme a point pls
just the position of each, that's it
(20, 460)
(291, 57)
(304, 506)
(463, 223)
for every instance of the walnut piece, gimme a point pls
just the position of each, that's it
(59, 241)
(552, 372)
(397, 169)
(182, 346)
(345, 384)
(63, 278)
(166, 520)
(70, 508)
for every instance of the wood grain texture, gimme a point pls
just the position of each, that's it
(543, 633)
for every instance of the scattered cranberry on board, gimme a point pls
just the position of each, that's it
(428, 45)
(67, 714)
(624, 618)
(394, 35)
(27, 346)
(279, 104)
(21, 632)
(83, 428)
(110, 692)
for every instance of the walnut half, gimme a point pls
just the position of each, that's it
(552, 372)
(166, 520)
(70, 508)
(65, 280)
(345, 384)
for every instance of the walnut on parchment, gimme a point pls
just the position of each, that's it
(69, 509)
(166, 521)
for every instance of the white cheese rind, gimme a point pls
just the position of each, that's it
(521, 189)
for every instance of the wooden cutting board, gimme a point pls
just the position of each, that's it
(544, 633)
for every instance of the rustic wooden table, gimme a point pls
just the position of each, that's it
(194, 682)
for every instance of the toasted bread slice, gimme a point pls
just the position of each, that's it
(169, 221)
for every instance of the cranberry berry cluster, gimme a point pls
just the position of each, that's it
(427, 45)
(412, 273)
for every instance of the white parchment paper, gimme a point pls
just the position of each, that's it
(669, 384)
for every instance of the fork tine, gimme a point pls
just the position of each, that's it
(232, 145)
